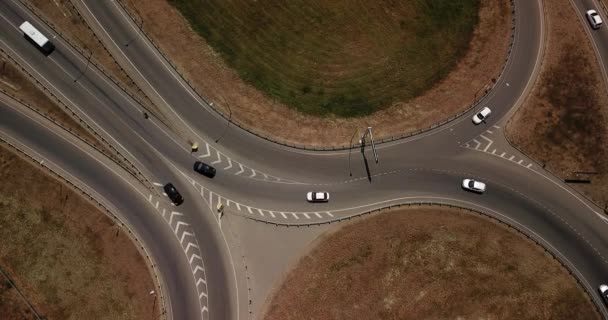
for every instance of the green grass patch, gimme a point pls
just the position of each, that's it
(347, 58)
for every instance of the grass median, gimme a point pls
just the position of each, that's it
(346, 58)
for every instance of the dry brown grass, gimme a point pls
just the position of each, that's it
(68, 258)
(564, 121)
(206, 71)
(428, 263)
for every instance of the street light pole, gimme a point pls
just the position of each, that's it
(227, 125)
(350, 151)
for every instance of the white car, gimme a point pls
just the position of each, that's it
(472, 185)
(482, 115)
(594, 19)
(603, 289)
(317, 197)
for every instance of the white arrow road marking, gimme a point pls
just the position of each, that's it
(195, 256)
(204, 309)
(229, 164)
(186, 233)
(179, 224)
(240, 171)
(190, 245)
(219, 158)
(208, 152)
(253, 173)
(174, 213)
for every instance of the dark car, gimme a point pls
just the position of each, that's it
(204, 169)
(173, 194)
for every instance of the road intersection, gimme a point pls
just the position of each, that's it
(206, 262)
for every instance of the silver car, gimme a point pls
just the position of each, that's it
(472, 185)
(594, 19)
(482, 115)
(317, 196)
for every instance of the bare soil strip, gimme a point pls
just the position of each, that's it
(564, 122)
(428, 263)
(68, 258)
(211, 76)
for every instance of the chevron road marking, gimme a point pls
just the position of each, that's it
(329, 214)
(253, 174)
(478, 143)
(195, 256)
(295, 215)
(179, 224)
(272, 214)
(240, 171)
(186, 233)
(249, 209)
(283, 214)
(229, 164)
(197, 269)
(202, 294)
(318, 215)
(489, 140)
(201, 280)
(260, 211)
(174, 213)
(306, 215)
(219, 158)
(208, 152)
(190, 245)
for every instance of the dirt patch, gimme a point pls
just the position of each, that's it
(67, 258)
(428, 263)
(563, 123)
(210, 75)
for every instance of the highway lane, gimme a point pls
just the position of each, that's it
(436, 151)
(118, 118)
(114, 188)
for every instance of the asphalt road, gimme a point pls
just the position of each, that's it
(197, 258)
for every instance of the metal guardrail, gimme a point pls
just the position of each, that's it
(88, 196)
(283, 142)
(131, 168)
